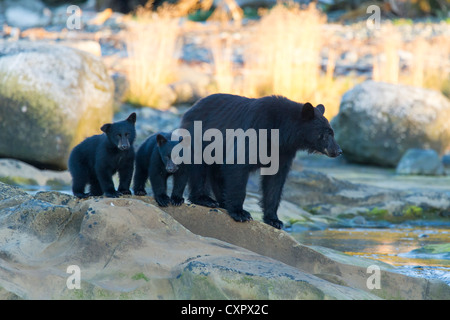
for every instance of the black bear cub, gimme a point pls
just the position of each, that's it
(95, 160)
(153, 161)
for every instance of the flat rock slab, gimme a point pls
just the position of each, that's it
(128, 248)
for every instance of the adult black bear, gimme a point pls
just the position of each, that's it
(300, 127)
(153, 161)
(95, 160)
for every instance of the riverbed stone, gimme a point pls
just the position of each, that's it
(420, 162)
(51, 98)
(378, 122)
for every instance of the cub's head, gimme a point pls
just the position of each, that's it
(122, 133)
(318, 136)
(165, 146)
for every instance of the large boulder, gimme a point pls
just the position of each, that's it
(51, 98)
(127, 249)
(378, 122)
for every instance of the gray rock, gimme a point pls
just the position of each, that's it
(421, 162)
(27, 14)
(322, 194)
(378, 122)
(128, 248)
(51, 98)
(20, 173)
(446, 160)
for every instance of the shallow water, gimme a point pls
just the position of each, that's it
(392, 245)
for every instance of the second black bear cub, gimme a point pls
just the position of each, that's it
(95, 160)
(153, 161)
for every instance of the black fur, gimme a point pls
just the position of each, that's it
(153, 161)
(95, 160)
(301, 127)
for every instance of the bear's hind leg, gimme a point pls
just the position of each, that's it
(198, 191)
(79, 182)
(235, 183)
(95, 190)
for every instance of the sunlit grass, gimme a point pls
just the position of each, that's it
(152, 46)
(430, 63)
(282, 56)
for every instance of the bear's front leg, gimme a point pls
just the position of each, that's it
(180, 179)
(104, 176)
(158, 180)
(272, 187)
(125, 176)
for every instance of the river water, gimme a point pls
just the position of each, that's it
(394, 244)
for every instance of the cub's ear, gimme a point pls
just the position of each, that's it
(321, 108)
(160, 140)
(307, 111)
(105, 128)
(132, 118)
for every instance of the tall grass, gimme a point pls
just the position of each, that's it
(429, 66)
(387, 64)
(152, 46)
(284, 54)
(222, 53)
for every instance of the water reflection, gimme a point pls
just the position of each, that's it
(389, 245)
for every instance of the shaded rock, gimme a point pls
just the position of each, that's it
(11, 196)
(128, 249)
(16, 172)
(419, 161)
(378, 122)
(446, 160)
(433, 251)
(319, 193)
(52, 97)
(27, 13)
(325, 263)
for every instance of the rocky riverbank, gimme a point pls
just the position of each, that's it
(128, 248)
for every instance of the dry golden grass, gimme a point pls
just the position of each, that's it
(284, 55)
(152, 46)
(429, 67)
(223, 68)
(386, 65)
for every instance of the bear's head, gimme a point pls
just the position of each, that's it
(165, 146)
(121, 134)
(318, 136)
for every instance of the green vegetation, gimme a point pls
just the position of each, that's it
(139, 276)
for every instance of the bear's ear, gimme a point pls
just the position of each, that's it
(132, 118)
(321, 108)
(160, 140)
(307, 111)
(105, 128)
